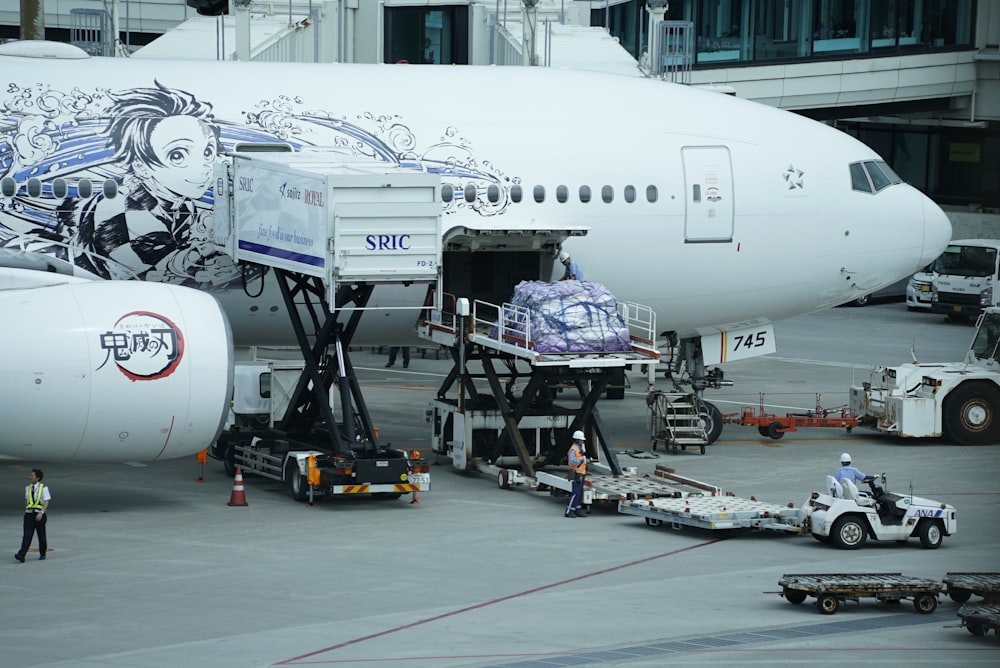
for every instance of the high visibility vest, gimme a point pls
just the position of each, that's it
(576, 451)
(34, 503)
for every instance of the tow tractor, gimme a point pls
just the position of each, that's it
(847, 517)
(841, 516)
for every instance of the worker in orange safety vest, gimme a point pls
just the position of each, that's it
(577, 460)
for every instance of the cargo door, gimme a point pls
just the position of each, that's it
(709, 205)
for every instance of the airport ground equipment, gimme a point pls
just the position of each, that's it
(979, 619)
(504, 408)
(849, 519)
(961, 586)
(833, 589)
(965, 279)
(776, 426)
(845, 520)
(330, 233)
(678, 420)
(960, 400)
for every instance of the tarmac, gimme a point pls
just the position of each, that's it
(149, 567)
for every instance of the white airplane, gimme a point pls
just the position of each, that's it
(721, 214)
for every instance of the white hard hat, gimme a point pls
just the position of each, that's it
(563, 256)
(579, 436)
(845, 458)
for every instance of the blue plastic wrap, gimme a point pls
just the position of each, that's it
(572, 317)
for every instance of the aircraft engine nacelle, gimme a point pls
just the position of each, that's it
(111, 370)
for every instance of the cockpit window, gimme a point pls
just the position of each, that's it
(878, 177)
(859, 180)
(887, 170)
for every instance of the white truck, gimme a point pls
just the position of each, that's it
(959, 400)
(966, 278)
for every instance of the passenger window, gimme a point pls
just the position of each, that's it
(584, 194)
(447, 192)
(607, 194)
(562, 194)
(110, 188)
(859, 180)
(84, 188)
(59, 188)
(879, 180)
(651, 194)
(539, 194)
(8, 186)
(629, 194)
(493, 194)
(470, 193)
(516, 194)
(34, 187)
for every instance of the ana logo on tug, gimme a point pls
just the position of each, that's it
(143, 345)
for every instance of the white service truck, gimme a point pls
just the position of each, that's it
(965, 279)
(959, 400)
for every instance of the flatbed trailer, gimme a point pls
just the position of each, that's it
(961, 586)
(833, 589)
(717, 512)
(979, 619)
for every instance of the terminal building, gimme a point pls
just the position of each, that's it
(917, 80)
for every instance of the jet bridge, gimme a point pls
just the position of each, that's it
(330, 232)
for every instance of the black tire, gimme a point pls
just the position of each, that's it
(762, 431)
(827, 604)
(794, 596)
(925, 603)
(975, 628)
(297, 485)
(931, 534)
(960, 595)
(971, 414)
(711, 419)
(849, 532)
(503, 482)
(229, 461)
(862, 301)
(774, 430)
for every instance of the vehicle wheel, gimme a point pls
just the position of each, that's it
(229, 461)
(975, 628)
(711, 420)
(971, 414)
(959, 595)
(762, 431)
(503, 481)
(930, 534)
(794, 596)
(925, 603)
(862, 301)
(652, 522)
(848, 533)
(774, 430)
(827, 604)
(296, 481)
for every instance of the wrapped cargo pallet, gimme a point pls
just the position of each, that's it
(572, 317)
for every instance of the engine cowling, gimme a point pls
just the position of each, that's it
(110, 370)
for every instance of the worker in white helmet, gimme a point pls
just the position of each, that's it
(848, 472)
(577, 460)
(573, 270)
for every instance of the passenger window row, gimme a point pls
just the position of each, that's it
(538, 194)
(59, 188)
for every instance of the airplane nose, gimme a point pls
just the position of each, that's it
(937, 232)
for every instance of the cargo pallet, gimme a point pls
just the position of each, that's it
(833, 589)
(961, 586)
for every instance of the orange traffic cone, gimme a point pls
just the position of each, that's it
(238, 497)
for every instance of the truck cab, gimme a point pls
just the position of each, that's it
(965, 278)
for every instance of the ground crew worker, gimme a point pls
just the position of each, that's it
(36, 501)
(574, 272)
(577, 460)
(848, 472)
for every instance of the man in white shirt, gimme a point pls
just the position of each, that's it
(36, 502)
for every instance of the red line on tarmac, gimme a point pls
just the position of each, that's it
(484, 604)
